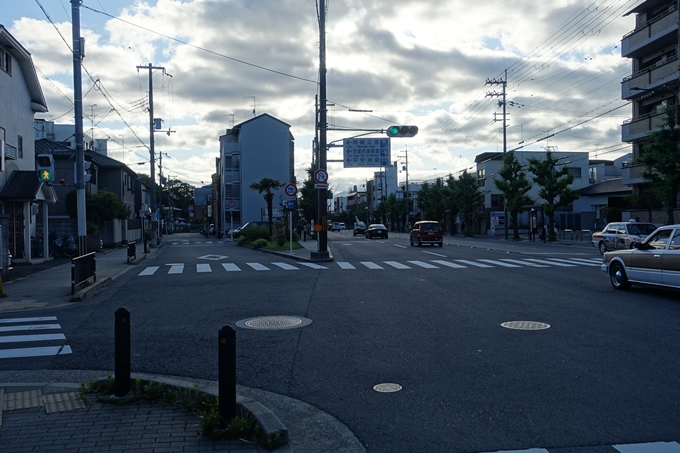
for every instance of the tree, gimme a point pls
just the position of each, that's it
(467, 196)
(266, 185)
(514, 185)
(308, 196)
(100, 207)
(554, 185)
(662, 163)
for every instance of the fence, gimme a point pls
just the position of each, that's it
(83, 268)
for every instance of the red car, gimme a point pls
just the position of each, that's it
(427, 232)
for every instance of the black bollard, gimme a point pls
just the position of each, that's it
(226, 364)
(122, 352)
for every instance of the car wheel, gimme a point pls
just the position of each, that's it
(441, 244)
(410, 241)
(602, 246)
(617, 275)
(420, 244)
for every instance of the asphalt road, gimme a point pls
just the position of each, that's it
(604, 372)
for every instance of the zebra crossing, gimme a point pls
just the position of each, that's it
(200, 268)
(17, 334)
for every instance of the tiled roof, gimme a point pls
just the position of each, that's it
(608, 186)
(46, 146)
(25, 185)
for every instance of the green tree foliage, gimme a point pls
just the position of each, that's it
(433, 200)
(467, 196)
(438, 200)
(178, 194)
(514, 186)
(99, 207)
(554, 185)
(662, 163)
(308, 194)
(266, 185)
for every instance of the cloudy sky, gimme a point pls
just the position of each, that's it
(408, 61)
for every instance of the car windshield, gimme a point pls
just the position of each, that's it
(429, 227)
(377, 226)
(641, 228)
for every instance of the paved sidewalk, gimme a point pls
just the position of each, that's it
(40, 409)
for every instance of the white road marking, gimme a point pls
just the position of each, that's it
(435, 254)
(345, 265)
(523, 263)
(176, 269)
(231, 267)
(148, 271)
(35, 352)
(44, 318)
(397, 265)
(551, 263)
(258, 266)
(500, 263)
(314, 266)
(473, 263)
(649, 447)
(597, 261)
(203, 267)
(371, 265)
(30, 327)
(26, 338)
(400, 246)
(423, 264)
(286, 266)
(580, 263)
(449, 264)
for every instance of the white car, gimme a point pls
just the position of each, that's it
(342, 226)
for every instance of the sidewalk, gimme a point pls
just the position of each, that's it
(40, 410)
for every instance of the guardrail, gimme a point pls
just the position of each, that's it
(83, 268)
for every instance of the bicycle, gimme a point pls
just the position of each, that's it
(37, 250)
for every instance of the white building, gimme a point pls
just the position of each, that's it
(261, 147)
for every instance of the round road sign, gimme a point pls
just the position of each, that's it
(291, 190)
(321, 176)
(231, 204)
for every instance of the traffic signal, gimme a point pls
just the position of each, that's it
(44, 164)
(402, 131)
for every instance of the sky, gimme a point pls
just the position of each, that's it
(435, 64)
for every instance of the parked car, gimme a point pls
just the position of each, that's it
(359, 228)
(376, 230)
(654, 261)
(342, 226)
(621, 235)
(335, 226)
(239, 231)
(427, 232)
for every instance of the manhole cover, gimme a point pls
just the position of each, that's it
(525, 325)
(387, 388)
(274, 322)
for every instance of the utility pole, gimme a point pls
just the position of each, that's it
(78, 55)
(154, 210)
(504, 83)
(406, 188)
(322, 126)
(253, 98)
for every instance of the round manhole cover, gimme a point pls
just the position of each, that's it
(387, 388)
(525, 325)
(274, 322)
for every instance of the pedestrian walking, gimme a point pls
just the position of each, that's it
(304, 233)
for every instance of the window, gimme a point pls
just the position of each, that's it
(496, 201)
(575, 172)
(5, 61)
(20, 146)
(592, 175)
(660, 239)
(481, 177)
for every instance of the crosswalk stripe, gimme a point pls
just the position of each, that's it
(500, 263)
(473, 263)
(258, 266)
(449, 264)
(35, 352)
(552, 263)
(176, 269)
(523, 263)
(286, 266)
(345, 265)
(149, 270)
(27, 338)
(231, 267)
(371, 265)
(597, 262)
(43, 318)
(314, 266)
(423, 264)
(30, 327)
(203, 267)
(397, 265)
(580, 263)
(649, 447)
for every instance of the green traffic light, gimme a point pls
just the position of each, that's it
(393, 130)
(45, 175)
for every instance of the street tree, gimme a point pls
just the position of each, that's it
(514, 186)
(661, 159)
(308, 196)
(554, 185)
(433, 198)
(467, 196)
(266, 185)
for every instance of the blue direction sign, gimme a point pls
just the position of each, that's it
(366, 152)
(290, 204)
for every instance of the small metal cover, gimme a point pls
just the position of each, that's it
(387, 388)
(525, 325)
(274, 322)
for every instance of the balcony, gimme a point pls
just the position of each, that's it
(632, 175)
(662, 73)
(658, 32)
(232, 175)
(640, 127)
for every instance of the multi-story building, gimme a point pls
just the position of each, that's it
(261, 147)
(653, 84)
